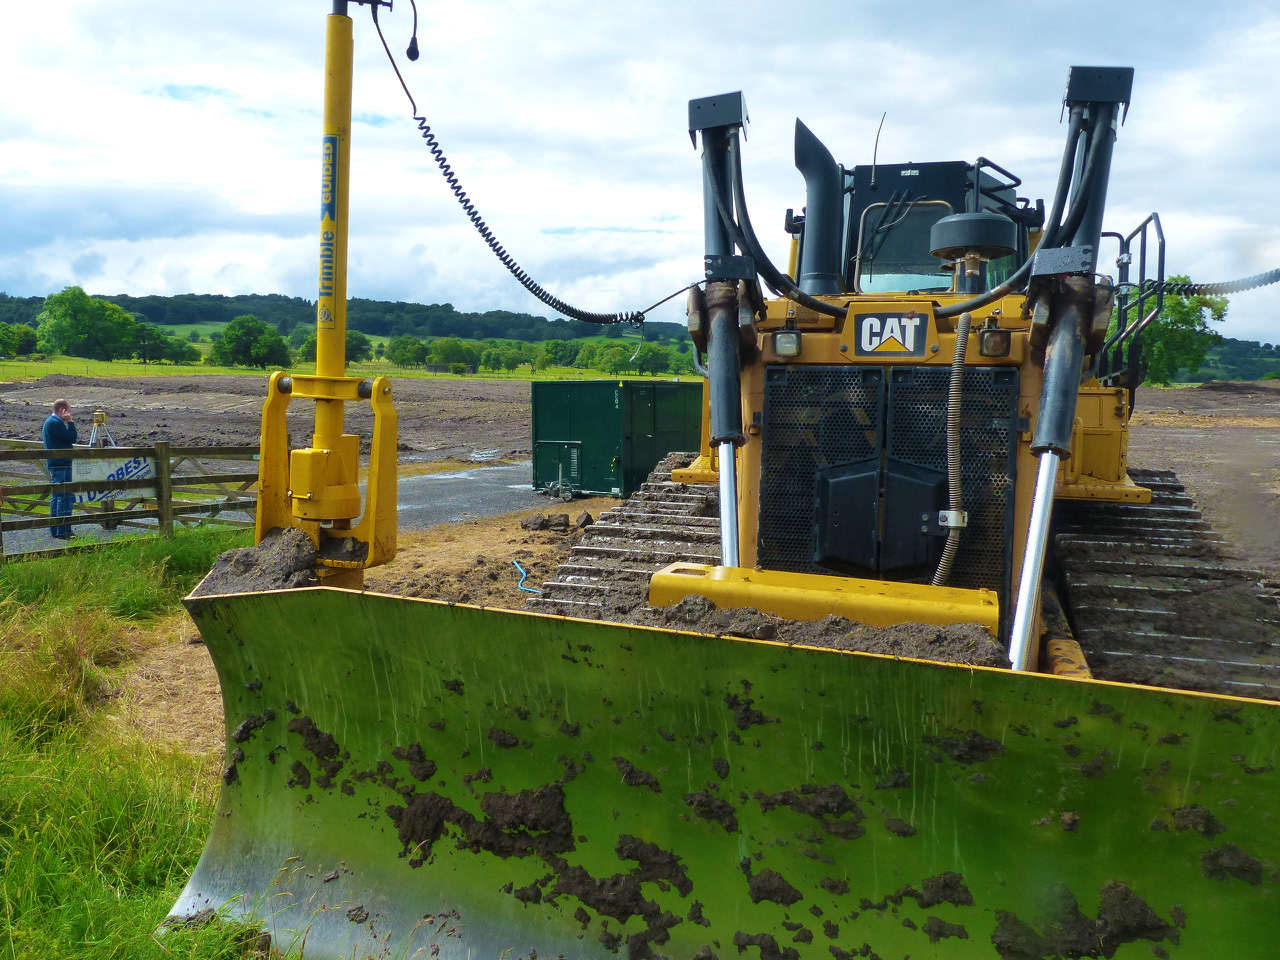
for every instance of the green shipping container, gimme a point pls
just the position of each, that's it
(603, 437)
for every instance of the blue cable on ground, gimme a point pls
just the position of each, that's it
(524, 575)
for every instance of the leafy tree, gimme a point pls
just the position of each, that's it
(491, 359)
(194, 336)
(359, 347)
(307, 350)
(652, 358)
(1179, 339)
(148, 340)
(613, 359)
(510, 357)
(406, 351)
(450, 350)
(298, 336)
(560, 353)
(586, 356)
(247, 341)
(16, 339)
(78, 325)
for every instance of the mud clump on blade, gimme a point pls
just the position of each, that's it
(420, 824)
(1229, 860)
(769, 885)
(767, 944)
(939, 929)
(1065, 931)
(655, 863)
(282, 561)
(713, 809)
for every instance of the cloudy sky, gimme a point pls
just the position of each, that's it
(172, 147)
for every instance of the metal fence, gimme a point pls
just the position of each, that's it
(148, 488)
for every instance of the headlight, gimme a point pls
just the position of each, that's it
(787, 343)
(993, 342)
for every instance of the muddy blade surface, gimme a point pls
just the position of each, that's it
(408, 778)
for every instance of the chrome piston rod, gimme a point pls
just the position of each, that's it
(728, 505)
(1024, 612)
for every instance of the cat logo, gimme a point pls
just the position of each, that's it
(890, 334)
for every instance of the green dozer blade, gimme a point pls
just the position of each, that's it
(408, 778)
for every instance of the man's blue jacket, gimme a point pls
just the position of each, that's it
(58, 435)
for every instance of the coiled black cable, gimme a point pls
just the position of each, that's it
(469, 208)
(1214, 289)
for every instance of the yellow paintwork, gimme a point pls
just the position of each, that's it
(806, 596)
(317, 488)
(1095, 470)
(1066, 659)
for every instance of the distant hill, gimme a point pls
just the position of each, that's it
(374, 317)
(1235, 360)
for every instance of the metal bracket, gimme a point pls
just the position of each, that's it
(1059, 260)
(727, 267)
(709, 113)
(953, 519)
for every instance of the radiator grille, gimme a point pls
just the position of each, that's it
(918, 434)
(817, 417)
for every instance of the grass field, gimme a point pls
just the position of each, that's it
(98, 830)
(74, 366)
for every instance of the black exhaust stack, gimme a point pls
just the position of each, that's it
(824, 215)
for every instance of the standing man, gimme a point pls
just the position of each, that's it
(59, 433)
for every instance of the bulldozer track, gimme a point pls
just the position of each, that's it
(1154, 596)
(662, 523)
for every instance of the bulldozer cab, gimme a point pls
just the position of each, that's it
(890, 210)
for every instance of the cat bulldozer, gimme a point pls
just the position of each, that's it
(887, 437)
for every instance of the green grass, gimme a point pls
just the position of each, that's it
(97, 836)
(75, 366)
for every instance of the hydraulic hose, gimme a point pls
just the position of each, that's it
(955, 500)
(1064, 171)
(744, 238)
(756, 251)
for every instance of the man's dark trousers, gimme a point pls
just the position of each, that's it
(60, 503)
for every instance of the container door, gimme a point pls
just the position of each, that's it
(641, 449)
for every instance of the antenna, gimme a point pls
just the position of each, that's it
(876, 149)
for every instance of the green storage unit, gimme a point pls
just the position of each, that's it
(603, 437)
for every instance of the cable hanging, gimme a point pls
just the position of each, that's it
(1213, 289)
(469, 208)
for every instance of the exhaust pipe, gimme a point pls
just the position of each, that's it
(823, 217)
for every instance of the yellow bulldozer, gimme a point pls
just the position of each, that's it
(886, 437)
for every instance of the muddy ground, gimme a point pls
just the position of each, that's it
(438, 419)
(1222, 439)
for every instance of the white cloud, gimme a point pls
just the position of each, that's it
(145, 147)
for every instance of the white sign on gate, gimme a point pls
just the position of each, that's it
(105, 471)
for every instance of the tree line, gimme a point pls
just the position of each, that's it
(378, 318)
(1181, 346)
(74, 324)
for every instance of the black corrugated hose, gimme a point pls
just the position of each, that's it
(508, 261)
(1214, 289)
